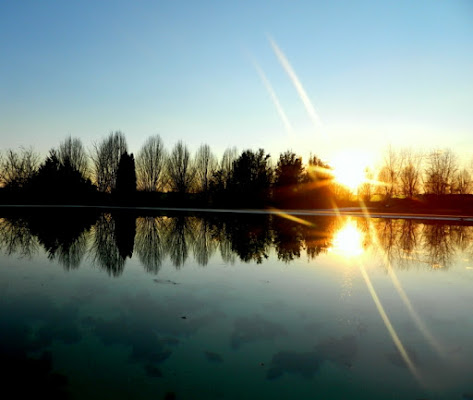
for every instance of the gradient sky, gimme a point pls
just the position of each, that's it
(375, 72)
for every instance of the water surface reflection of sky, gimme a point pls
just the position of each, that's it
(152, 306)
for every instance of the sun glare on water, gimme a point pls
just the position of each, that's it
(349, 170)
(348, 241)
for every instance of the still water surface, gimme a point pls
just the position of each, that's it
(182, 306)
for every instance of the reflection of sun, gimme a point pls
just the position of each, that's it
(348, 241)
(349, 169)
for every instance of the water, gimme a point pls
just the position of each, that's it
(127, 306)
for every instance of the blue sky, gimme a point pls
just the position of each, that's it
(376, 72)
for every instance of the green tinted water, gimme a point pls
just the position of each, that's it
(163, 307)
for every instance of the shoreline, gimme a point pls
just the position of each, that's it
(343, 211)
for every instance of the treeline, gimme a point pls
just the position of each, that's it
(109, 174)
(408, 174)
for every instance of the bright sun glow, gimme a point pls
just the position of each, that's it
(348, 241)
(349, 169)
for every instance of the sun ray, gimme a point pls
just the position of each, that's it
(290, 217)
(389, 326)
(402, 294)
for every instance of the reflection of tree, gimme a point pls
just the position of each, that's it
(438, 244)
(105, 249)
(71, 255)
(408, 238)
(63, 234)
(250, 237)
(387, 233)
(125, 230)
(319, 234)
(16, 237)
(179, 236)
(403, 240)
(288, 238)
(150, 244)
(218, 233)
(204, 242)
(462, 237)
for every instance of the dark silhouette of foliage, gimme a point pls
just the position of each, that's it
(317, 184)
(126, 178)
(59, 182)
(250, 183)
(289, 175)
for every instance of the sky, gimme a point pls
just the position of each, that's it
(330, 78)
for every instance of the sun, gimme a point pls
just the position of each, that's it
(349, 169)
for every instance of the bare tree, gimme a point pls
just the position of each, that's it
(205, 165)
(411, 173)
(226, 164)
(462, 182)
(150, 165)
(18, 167)
(441, 168)
(106, 157)
(389, 173)
(72, 151)
(180, 170)
(365, 191)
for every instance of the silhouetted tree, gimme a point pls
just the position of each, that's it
(58, 182)
(72, 152)
(151, 165)
(289, 174)
(250, 183)
(318, 184)
(105, 157)
(410, 174)
(440, 172)
(389, 173)
(126, 176)
(205, 165)
(226, 164)
(462, 182)
(220, 179)
(181, 172)
(366, 189)
(17, 168)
